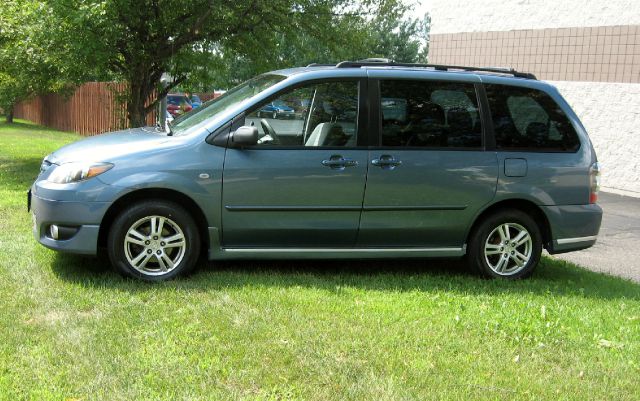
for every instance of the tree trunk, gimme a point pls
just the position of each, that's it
(141, 86)
(135, 113)
(135, 104)
(10, 115)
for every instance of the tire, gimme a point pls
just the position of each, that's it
(173, 251)
(487, 247)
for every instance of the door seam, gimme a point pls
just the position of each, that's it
(364, 194)
(221, 234)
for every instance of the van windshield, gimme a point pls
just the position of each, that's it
(229, 99)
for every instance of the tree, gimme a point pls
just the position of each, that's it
(35, 54)
(402, 39)
(139, 40)
(389, 35)
(26, 67)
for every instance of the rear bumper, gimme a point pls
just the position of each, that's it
(85, 217)
(573, 227)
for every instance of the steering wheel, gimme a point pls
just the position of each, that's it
(268, 129)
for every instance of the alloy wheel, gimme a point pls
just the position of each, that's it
(508, 249)
(154, 245)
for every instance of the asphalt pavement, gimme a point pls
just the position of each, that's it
(617, 250)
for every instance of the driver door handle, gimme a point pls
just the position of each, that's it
(337, 162)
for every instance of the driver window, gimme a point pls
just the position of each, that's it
(322, 114)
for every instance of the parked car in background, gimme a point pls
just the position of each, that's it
(276, 109)
(178, 104)
(195, 101)
(390, 160)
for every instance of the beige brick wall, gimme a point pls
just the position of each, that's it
(602, 54)
(451, 16)
(611, 114)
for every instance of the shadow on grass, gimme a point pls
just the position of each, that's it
(552, 278)
(20, 173)
(24, 126)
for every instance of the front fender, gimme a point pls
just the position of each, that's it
(204, 190)
(188, 182)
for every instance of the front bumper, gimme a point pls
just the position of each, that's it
(573, 227)
(84, 216)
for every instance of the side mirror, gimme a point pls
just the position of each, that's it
(244, 136)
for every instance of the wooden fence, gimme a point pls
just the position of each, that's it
(92, 109)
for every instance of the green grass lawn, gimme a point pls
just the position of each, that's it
(71, 329)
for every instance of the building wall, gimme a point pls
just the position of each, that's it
(589, 49)
(600, 54)
(452, 16)
(611, 114)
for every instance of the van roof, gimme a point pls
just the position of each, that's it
(389, 64)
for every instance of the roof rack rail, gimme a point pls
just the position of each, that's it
(367, 60)
(438, 67)
(321, 65)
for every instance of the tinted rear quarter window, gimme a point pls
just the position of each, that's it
(433, 114)
(530, 120)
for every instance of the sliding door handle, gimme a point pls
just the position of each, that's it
(386, 162)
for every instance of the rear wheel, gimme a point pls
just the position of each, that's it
(154, 240)
(506, 244)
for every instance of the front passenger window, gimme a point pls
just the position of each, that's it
(316, 115)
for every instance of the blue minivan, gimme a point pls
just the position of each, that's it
(385, 160)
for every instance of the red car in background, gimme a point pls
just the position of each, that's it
(178, 104)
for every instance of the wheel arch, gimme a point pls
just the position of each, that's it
(523, 205)
(155, 193)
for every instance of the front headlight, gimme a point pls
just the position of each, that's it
(77, 171)
(44, 166)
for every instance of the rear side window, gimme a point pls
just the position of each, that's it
(529, 119)
(434, 114)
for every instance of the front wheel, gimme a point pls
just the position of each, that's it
(506, 244)
(154, 241)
